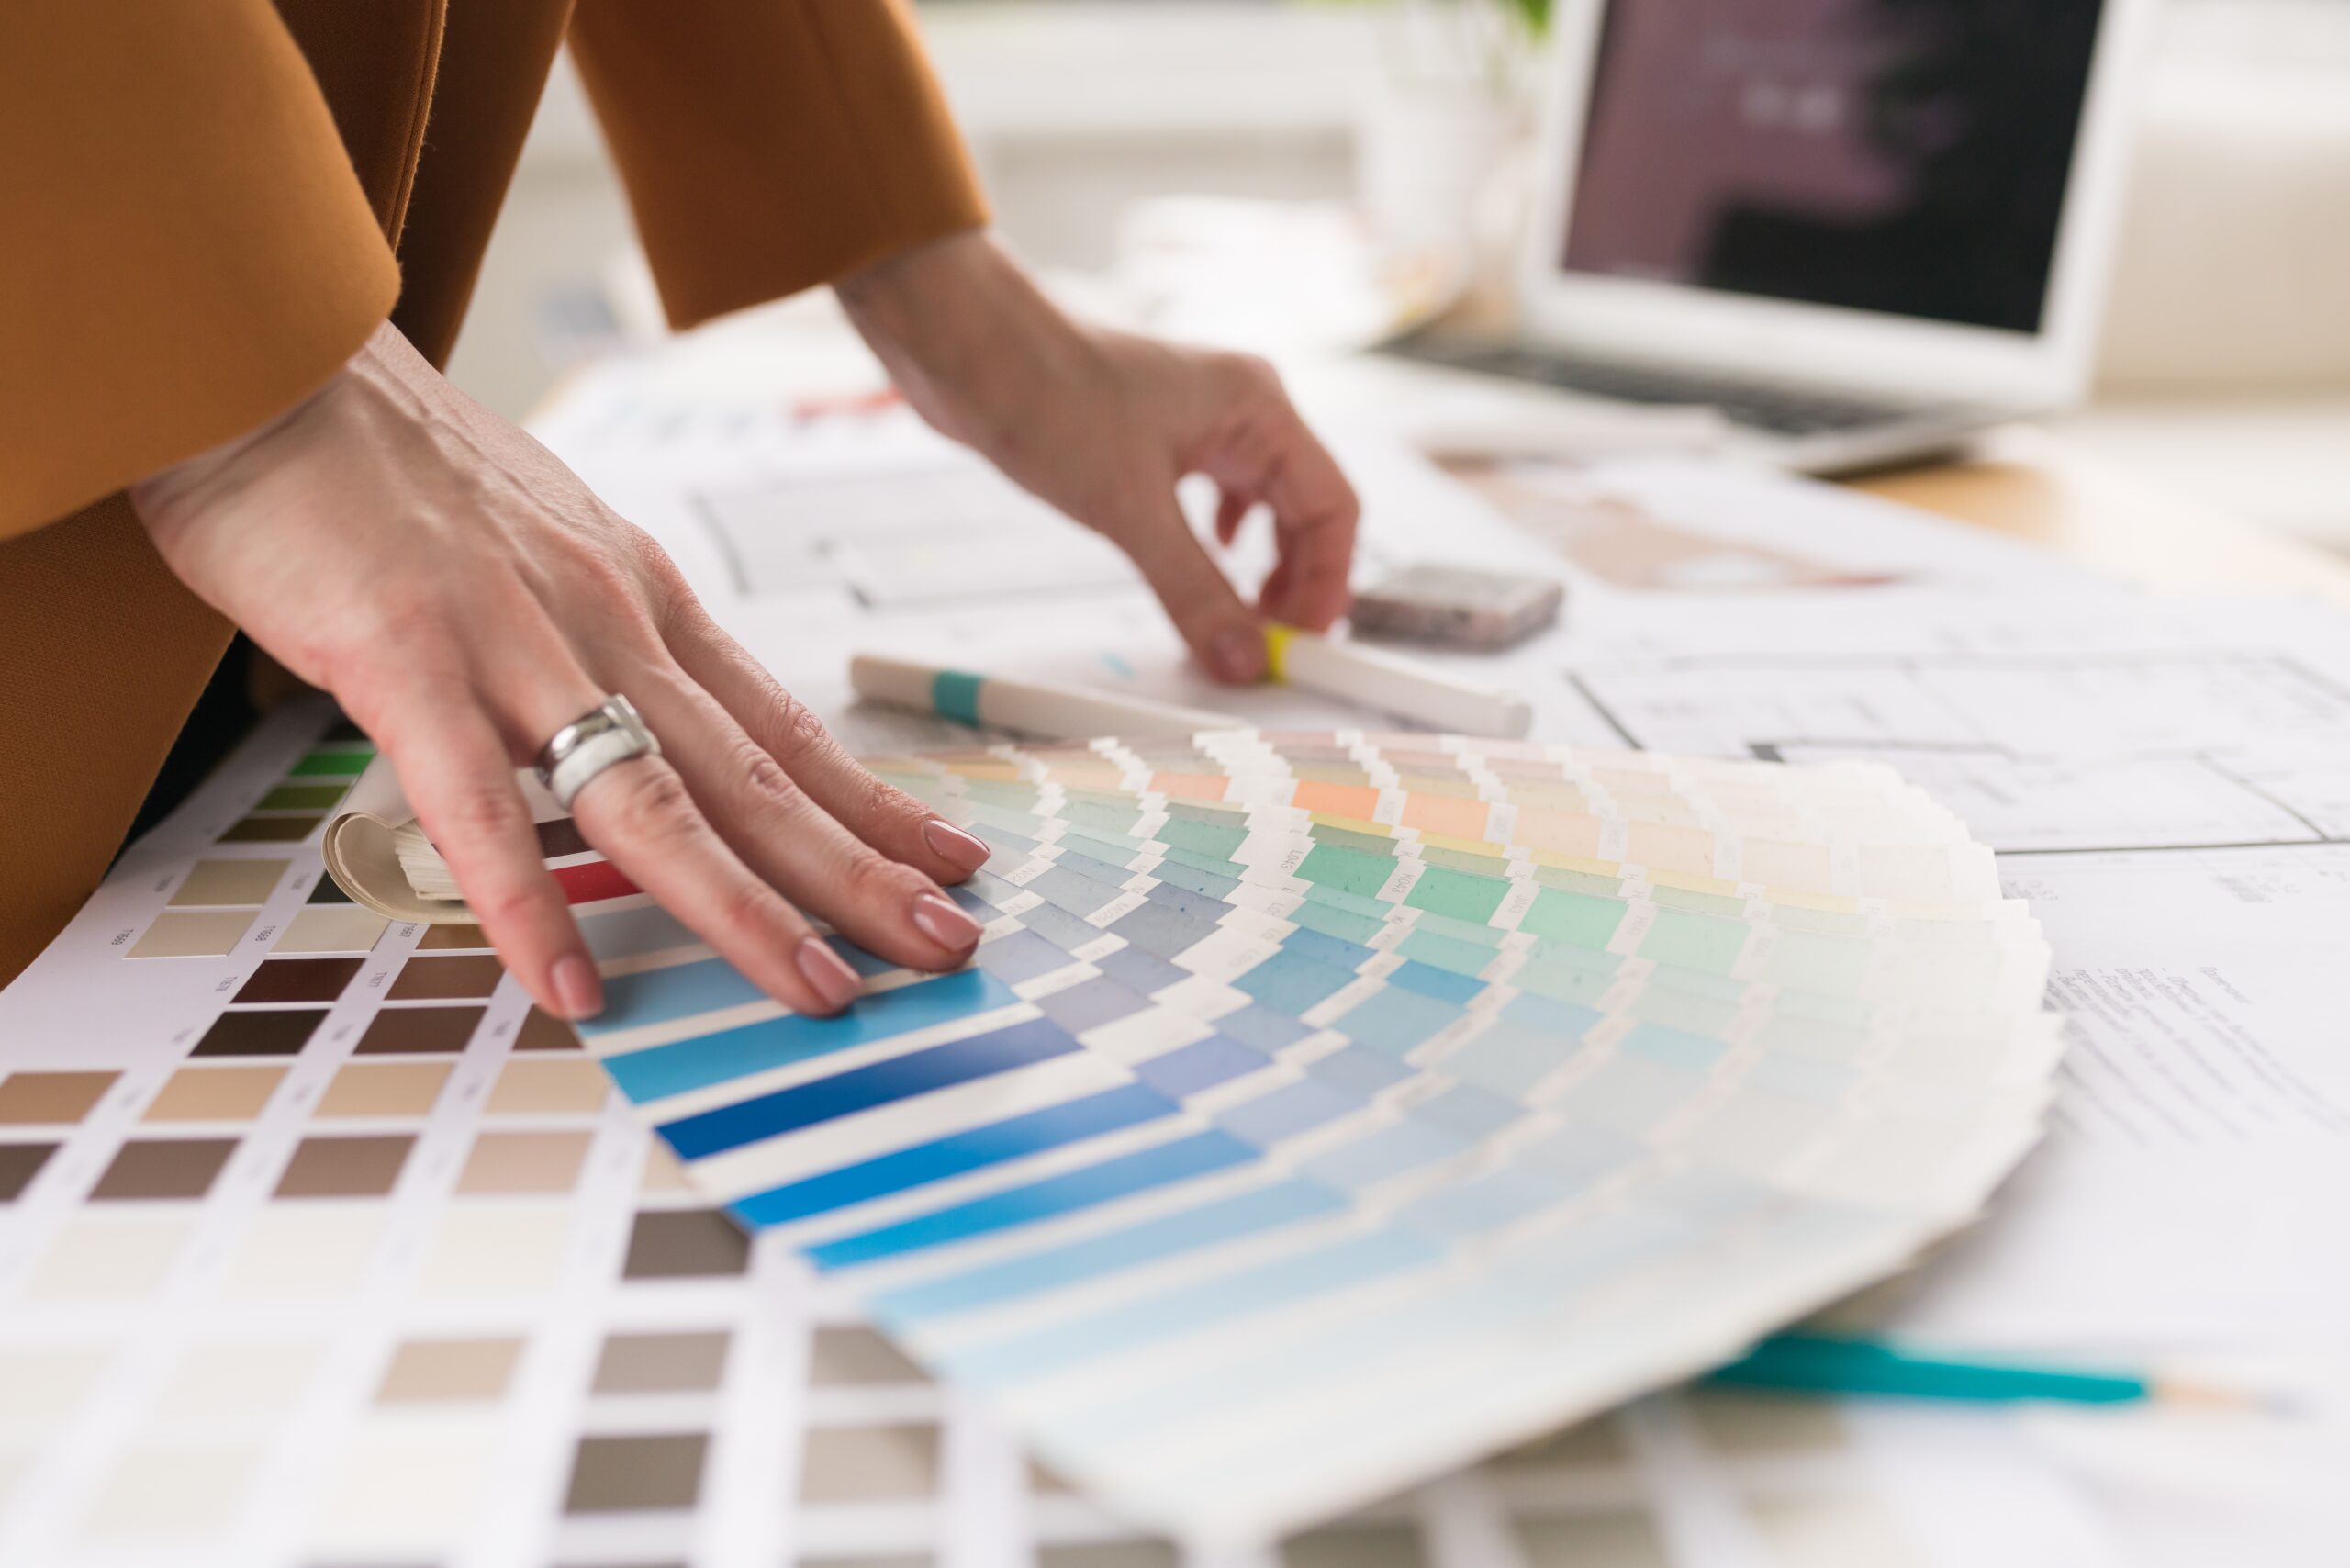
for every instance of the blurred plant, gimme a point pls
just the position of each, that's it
(1535, 13)
(1494, 40)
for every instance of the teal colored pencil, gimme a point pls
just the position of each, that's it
(1826, 1364)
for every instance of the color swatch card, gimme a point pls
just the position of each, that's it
(318, 1246)
(1320, 1112)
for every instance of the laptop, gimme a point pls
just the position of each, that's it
(1862, 230)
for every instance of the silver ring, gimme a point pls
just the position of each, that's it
(608, 734)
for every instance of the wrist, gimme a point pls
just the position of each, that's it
(168, 490)
(965, 333)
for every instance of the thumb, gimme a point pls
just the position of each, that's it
(1224, 633)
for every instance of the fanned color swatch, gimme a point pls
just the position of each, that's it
(1321, 1111)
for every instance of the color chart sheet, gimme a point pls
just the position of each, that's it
(1322, 1110)
(317, 1246)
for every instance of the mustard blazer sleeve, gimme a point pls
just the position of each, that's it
(768, 147)
(184, 249)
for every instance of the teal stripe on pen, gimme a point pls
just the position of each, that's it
(956, 695)
(1815, 1364)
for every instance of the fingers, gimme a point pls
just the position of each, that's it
(1222, 630)
(455, 772)
(639, 815)
(1231, 511)
(1267, 453)
(882, 816)
(789, 840)
(1314, 517)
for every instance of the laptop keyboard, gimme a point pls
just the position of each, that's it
(1779, 409)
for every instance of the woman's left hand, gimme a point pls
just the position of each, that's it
(1102, 424)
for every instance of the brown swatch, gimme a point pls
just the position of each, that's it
(431, 1371)
(626, 1474)
(344, 1167)
(851, 1356)
(328, 891)
(19, 1163)
(1621, 1538)
(34, 1099)
(384, 1088)
(192, 933)
(215, 1095)
(513, 1163)
(299, 979)
(271, 830)
(661, 1363)
(409, 1031)
(869, 1465)
(684, 1244)
(1356, 1546)
(230, 881)
(1141, 1552)
(561, 837)
(446, 980)
(165, 1168)
(259, 1034)
(440, 938)
(550, 1086)
(545, 1032)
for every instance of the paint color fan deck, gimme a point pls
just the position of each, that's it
(341, 1266)
(1322, 1110)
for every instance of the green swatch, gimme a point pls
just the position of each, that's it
(1457, 894)
(1346, 871)
(332, 765)
(1574, 918)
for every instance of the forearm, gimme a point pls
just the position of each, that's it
(967, 337)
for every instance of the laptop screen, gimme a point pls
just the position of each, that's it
(1901, 156)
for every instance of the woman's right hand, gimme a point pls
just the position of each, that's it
(464, 595)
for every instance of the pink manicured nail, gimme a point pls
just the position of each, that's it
(946, 925)
(576, 986)
(1238, 655)
(828, 972)
(955, 847)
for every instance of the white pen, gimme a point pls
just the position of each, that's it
(1033, 707)
(1394, 684)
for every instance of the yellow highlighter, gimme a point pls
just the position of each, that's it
(1393, 684)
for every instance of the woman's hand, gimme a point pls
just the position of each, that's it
(1102, 424)
(464, 596)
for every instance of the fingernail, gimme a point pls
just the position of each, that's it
(1237, 654)
(945, 924)
(828, 972)
(576, 986)
(955, 847)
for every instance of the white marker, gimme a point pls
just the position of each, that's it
(1406, 687)
(1033, 707)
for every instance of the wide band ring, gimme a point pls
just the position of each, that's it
(610, 733)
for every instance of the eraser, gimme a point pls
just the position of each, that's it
(1459, 607)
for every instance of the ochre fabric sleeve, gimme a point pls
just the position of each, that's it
(184, 250)
(768, 145)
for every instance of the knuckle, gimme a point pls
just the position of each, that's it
(507, 905)
(885, 801)
(871, 875)
(764, 775)
(1257, 373)
(799, 732)
(749, 910)
(656, 808)
(482, 813)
